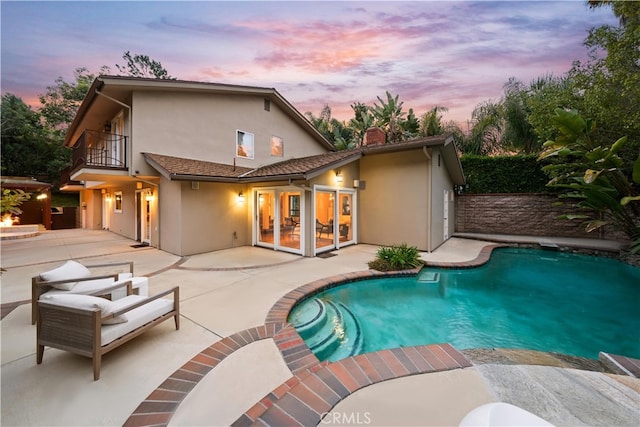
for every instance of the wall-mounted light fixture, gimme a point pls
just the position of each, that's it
(338, 176)
(41, 196)
(149, 196)
(356, 183)
(107, 126)
(241, 197)
(108, 197)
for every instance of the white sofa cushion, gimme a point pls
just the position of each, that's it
(86, 302)
(84, 287)
(137, 317)
(67, 271)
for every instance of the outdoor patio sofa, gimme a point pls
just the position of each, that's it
(75, 278)
(92, 326)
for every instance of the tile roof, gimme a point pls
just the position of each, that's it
(178, 168)
(173, 167)
(304, 165)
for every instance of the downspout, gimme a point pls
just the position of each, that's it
(425, 150)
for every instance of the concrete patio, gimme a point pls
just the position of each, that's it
(226, 292)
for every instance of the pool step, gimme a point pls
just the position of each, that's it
(330, 329)
(429, 277)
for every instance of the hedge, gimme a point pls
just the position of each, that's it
(504, 174)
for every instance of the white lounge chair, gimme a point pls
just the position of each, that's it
(75, 278)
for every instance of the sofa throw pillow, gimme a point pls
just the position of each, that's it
(86, 302)
(68, 271)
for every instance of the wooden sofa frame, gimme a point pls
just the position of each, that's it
(79, 331)
(39, 286)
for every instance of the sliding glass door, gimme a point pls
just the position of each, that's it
(279, 219)
(334, 218)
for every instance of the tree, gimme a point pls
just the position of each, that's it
(594, 175)
(411, 125)
(332, 129)
(28, 148)
(143, 66)
(431, 121)
(486, 132)
(362, 120)
(519, 134)
(389, 117)
(61, 101)
(609, 81)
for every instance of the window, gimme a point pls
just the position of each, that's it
(244, 144)
(267, 105)
(117, 206)
(294, 206)
(277, 149)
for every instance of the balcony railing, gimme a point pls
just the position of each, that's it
(95, 149)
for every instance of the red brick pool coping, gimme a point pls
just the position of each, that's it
(315, 387)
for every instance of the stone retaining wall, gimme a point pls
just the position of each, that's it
(522, 214)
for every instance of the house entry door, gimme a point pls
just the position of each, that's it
(143, 216)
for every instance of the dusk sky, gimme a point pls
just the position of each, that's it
(448, 53)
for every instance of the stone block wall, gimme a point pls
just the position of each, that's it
(520, 214)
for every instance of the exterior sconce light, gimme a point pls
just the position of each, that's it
(107, 127)
(356, 183)
(338, 176)
(41, 196)
(149, 196)
(109, 197)
(240, 197)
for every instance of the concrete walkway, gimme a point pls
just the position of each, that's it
(226, 292)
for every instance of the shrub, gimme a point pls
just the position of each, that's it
(396, 257)
(11, 200)
(504, 174)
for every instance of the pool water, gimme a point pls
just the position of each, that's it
(522, 298)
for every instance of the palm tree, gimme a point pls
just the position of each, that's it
(389, 117)
(431, 121)
(486, 133)
(362, 120)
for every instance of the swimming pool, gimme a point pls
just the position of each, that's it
(522, 298)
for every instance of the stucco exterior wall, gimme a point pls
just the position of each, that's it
(203, 127)
(393, 201)
(170, 215)
(90, 210)
(205, 219)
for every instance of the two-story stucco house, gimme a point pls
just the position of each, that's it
(191, 167)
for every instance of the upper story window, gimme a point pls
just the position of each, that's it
(267, 105)
(277, 146)
(244, 144)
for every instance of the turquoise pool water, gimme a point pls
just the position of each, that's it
(522, 298)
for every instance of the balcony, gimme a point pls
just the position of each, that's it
(99, 150)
